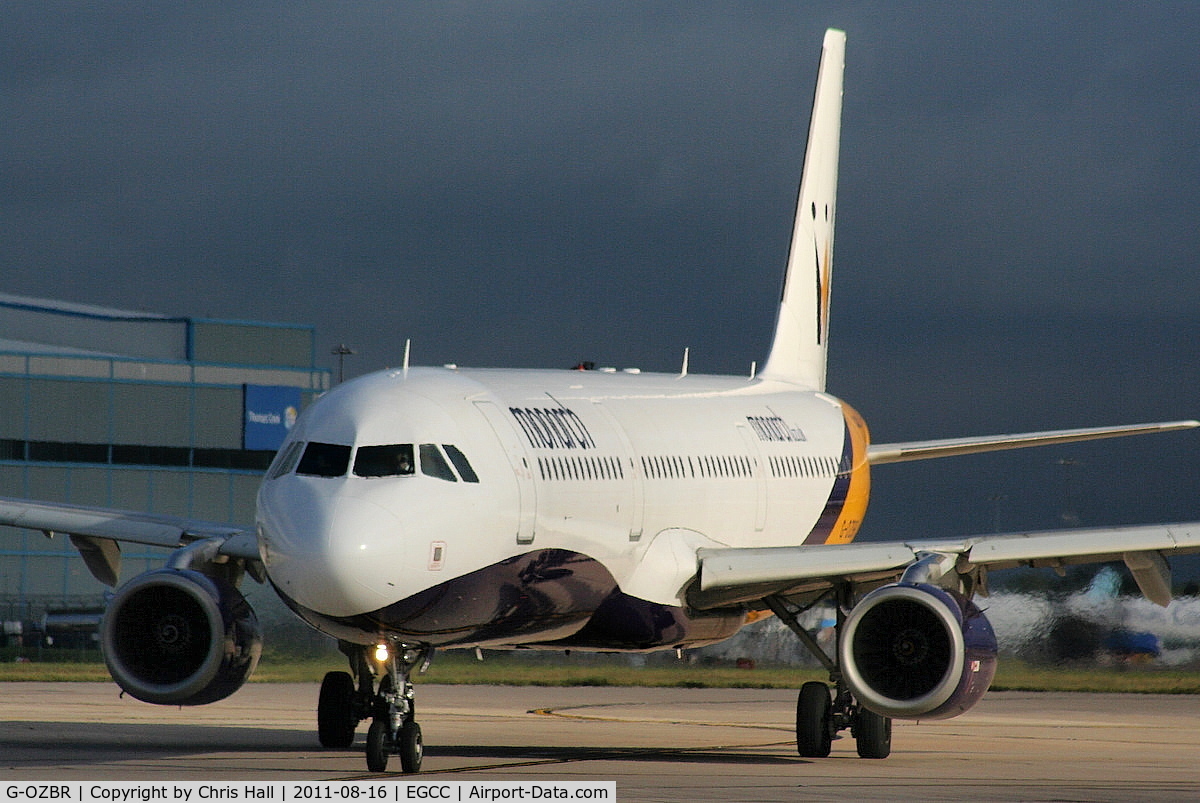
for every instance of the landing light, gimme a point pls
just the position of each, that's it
(381, 653)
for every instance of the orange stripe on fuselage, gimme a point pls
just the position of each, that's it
(855, 506)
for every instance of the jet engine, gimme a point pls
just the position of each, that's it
(179, 637)
(917, 651)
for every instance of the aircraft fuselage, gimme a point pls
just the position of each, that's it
(546, 508)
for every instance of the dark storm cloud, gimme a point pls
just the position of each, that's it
(538, 153)
(511, 159)
(533, 184)
(1047, 160)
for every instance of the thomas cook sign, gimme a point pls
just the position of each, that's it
(270, 411)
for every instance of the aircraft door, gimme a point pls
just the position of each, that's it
(634, 489)
(760, 478)
(518, 458)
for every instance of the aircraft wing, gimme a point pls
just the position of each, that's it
(878, 454)
(731, 576)
(97, 531)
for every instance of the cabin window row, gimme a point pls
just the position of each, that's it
(316, 459)
(803, 467)
(580, 468)
(672, 467)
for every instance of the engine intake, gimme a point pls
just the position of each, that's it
(917, 651)
(179, 637)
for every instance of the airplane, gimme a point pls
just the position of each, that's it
(424, 508)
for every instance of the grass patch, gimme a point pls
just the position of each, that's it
(54, 672)
(586, 670)
(1015, 675)
(556, 669)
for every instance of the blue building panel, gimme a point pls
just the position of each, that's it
(270, 412)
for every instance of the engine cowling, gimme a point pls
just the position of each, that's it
(917, 651)
(179, 637)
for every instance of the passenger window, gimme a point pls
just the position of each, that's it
(324, 460)
(434, 465)
(460, 462)
(286, 460)
(384, 461)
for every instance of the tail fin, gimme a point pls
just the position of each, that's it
(799, 348)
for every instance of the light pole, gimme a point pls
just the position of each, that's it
(342, 351)
(1070, 514)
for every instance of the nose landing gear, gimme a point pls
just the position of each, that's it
(394, 729)
(391, 706)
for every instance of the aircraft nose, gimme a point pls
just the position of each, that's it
(337, 556)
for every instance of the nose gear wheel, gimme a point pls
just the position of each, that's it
(390, 705)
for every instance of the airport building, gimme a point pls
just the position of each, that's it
(136, 411)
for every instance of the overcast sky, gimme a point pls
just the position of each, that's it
(532, 184)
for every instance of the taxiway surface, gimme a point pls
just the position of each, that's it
(657, 744)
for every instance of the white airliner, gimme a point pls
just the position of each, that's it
(425, 508)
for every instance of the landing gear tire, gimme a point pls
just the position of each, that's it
(378, 746)
(814, 709)
(410, 746)
(336, 721)
(873, 733)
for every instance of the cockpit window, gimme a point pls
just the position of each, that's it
(400, 460)
(285, 461)
(461, 463)
(434, 465)
(324, 460)
(384, 461)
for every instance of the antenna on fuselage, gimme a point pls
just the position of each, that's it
(684, 370)
(407, 346)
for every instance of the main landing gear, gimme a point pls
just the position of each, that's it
(391, 706)
(819, 718)
(818, 721)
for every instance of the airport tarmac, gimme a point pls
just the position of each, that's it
(657, 744)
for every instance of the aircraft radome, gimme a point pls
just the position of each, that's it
(424, 508)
